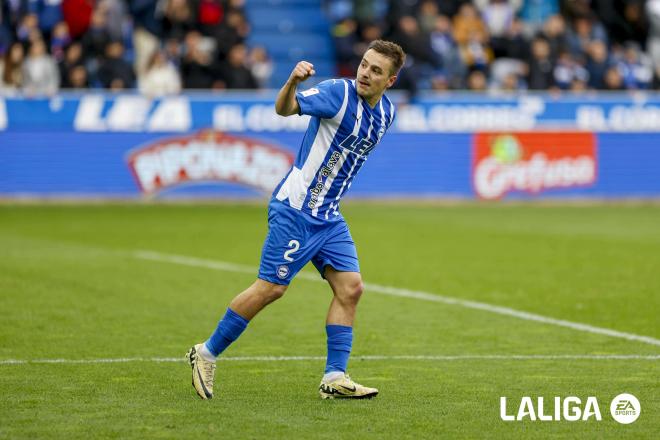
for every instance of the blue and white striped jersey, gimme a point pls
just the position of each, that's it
(342, 131)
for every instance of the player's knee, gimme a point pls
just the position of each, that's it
(353, 291)
(275, 292)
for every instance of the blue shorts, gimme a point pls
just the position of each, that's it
(294, 238)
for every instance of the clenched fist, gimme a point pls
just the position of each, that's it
(302, 71)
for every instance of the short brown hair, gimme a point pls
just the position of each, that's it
(390, 50)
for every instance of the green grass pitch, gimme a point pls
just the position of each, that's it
(73, 287)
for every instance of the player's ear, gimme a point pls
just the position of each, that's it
(391, 81)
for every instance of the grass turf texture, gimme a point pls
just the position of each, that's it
(71, 288)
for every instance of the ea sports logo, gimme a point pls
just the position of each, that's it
(625, 408)
(283, 271)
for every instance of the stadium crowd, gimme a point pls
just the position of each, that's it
(158, 46)
(162, 46)
(508, 44)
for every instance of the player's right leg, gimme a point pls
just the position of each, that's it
(287, 248)
(243, 308)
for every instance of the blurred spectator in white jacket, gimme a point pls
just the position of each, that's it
(160, 78)
(261, 65)
(40, 73)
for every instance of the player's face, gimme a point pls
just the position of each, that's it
(374, 75)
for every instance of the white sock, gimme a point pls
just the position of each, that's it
(206, 354)
(333, 375)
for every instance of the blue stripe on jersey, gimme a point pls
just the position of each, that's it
(342, 132)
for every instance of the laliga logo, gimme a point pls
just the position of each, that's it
(570, 408)
(625, 409)
(208, 156)
(532, 162)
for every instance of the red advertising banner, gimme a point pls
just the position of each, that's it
(532, 162)
(206, 157)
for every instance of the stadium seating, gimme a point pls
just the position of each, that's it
(294, 30)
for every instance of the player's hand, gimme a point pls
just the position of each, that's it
(302, 71)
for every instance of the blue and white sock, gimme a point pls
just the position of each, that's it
(229, 329)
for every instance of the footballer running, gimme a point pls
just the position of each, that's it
(348, 119)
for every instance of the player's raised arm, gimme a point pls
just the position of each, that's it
(286, 103)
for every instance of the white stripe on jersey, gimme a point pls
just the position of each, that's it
(328, 182)
(296, 185)
(392, 110)
(340, 163)
(343, 185)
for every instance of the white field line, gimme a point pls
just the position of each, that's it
(476, 357)
(405, 293)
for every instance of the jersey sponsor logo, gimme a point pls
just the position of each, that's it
(532, 162)
(207, 157)
(324, 172)
(358, 145)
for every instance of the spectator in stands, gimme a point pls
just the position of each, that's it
(115, 17)
(59, 40)
(428, 12)
(624, 20)
(160, 78)
(97, 36)
(234, 30)
(568, 70)
(261, 66)
(468, 25)
(535, 13)
(635, 68)
(471, 35)
(78, 78)
(477, 81)
(11, 69)
(540, 76)
(78, 16)
(498, 15)
(40, 73)
(235, 70)
(174, 52)
(28, 29)
(6, 26)
(178, 19)
(414, 42)
(210, 14)
(585, 30)
(613, 80)
(554, 32)
(196, 66)
(48, 12)
(517, 46)
(369, 10)
(73, 58)
(446, 51)
(345, 38)
(114, 72)
(147, 31)
(510, 83)
(653, 42)
(597, 64)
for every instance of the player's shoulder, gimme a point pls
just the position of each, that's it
(333, 86)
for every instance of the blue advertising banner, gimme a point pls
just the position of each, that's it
(234, 145)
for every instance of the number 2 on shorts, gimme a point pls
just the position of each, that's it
(294, 245)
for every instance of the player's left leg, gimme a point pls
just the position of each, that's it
(347, 289)
(338, 263)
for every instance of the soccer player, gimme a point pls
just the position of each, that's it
(348, 119)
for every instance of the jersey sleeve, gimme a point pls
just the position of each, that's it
(324, 100)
